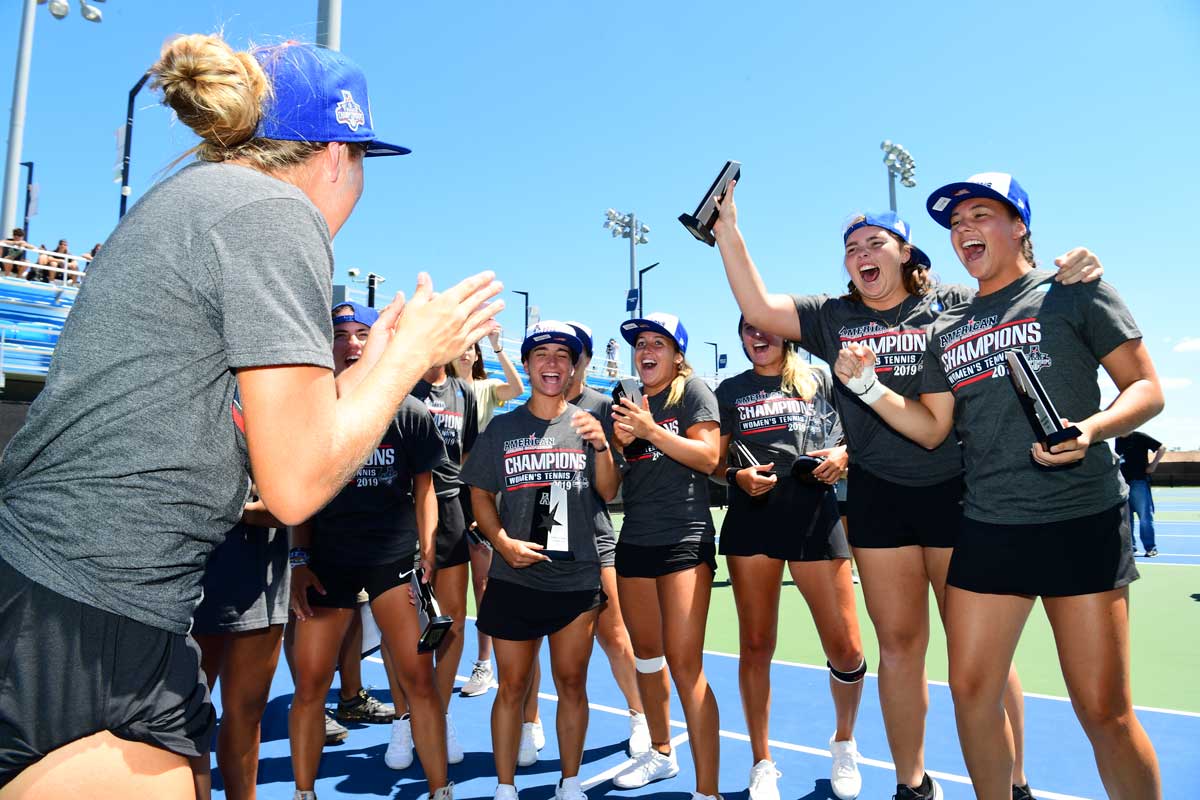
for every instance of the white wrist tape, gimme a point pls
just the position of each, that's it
(867, 387)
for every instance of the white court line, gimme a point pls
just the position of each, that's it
(944, 683)
(1177, 555)
(1178, 536)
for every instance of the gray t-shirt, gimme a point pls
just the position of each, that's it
(373, 520)
(452, 403)
(1064, 331)
(665, 501)
(600, 406)
(131, 465)
(774, 426)
(897, 335)
(544, 473)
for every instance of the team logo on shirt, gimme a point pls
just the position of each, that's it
(533, 461)
(448, 421)
(769, 411)
(641, 450)
(975, 349)
(379, 469)
(898, 350)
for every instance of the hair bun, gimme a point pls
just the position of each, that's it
(215, 91)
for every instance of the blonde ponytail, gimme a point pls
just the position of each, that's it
(797, 376)
(678, 382)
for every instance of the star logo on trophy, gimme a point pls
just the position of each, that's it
(547, 519)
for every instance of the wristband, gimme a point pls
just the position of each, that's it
(298, 557)
(866, 387)
(498, 352)
(731, 476)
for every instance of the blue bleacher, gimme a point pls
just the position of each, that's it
(31, 317)
(596, 377)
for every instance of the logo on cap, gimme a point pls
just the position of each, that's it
(348, 112)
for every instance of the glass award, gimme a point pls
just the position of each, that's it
(549, 526)
(701, 223)
(1039, 410)
(432, 621)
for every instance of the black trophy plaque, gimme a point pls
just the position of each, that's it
(1043, 418)
(433, 622)
(700, 224)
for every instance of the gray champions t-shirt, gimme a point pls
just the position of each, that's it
(1064, 331)
(373, 521)
(774, 426)
(544, 473)
(600, 406)
(452, 403)
(897, 335)
(131, 465)
(665, 501)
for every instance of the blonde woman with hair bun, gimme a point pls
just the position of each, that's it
(202, 354)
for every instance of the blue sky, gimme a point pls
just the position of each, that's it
(528, 120)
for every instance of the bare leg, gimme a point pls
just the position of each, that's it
(1092, 634)
(829, 592)
(392, 668)
(529, 711)
(350, 660)
(570, 651)
(246, 674)
(982, 631)
(756, 587)
(515, 662)
(683, 597)
(212, 656)
(450, 586)
(639, 608)
(317, 640)
(398, 623)
(103, 767)
(481, 562)
(614, 640)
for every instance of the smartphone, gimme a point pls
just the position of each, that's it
(630, 388)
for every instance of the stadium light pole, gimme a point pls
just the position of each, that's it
(626, 226)
(127, 142)
(900, 163)
(716, 359)
(525, 330)
(329, 24)
(641, 303)
(28, 195)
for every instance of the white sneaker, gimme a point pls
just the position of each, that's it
(639, 734)
(454, 751)
(444, 793)
(764, 781)
(650, 766)
(698, 796)
(527, 752)
(299, 795)
(482, 678)
(845, 778)
(539, 735)
(569, 790)
(399, 753)
(505, 791)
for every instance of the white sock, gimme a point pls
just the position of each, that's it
(484, 662)
(571, 784)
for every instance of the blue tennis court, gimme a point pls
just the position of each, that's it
(1058, 761)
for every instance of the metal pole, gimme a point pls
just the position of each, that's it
(16, 123)
(892, 190)
(28, 194)
(329, 24)
(526, 296)
(641, 310)
(716, 358)
(633, 235)
(371, 279)
(125, 191)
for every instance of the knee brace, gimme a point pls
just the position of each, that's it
(854, 676)
(649, 666)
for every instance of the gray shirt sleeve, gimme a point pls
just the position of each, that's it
(814, 335)
(275, 292)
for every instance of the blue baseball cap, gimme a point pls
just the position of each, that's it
(994, 185)
(890, 222)
(551, 331)
(666, 324)
(361, 314)
(585, 335)
(318, 95)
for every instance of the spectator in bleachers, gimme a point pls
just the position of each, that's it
(12, 250)
(82, 265)
(60, 262)
(42, 272)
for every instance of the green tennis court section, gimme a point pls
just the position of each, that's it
(1166, 663)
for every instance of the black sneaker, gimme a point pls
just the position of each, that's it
(1022, 793)
(1152, 552)
(364, 708)
(928, 790)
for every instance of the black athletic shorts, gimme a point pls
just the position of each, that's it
(792, 522)
(451, 537)
(343, 584)
(885, 514)
(1077, 556)
(68, 670)
(638, 561)
(518, 613)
